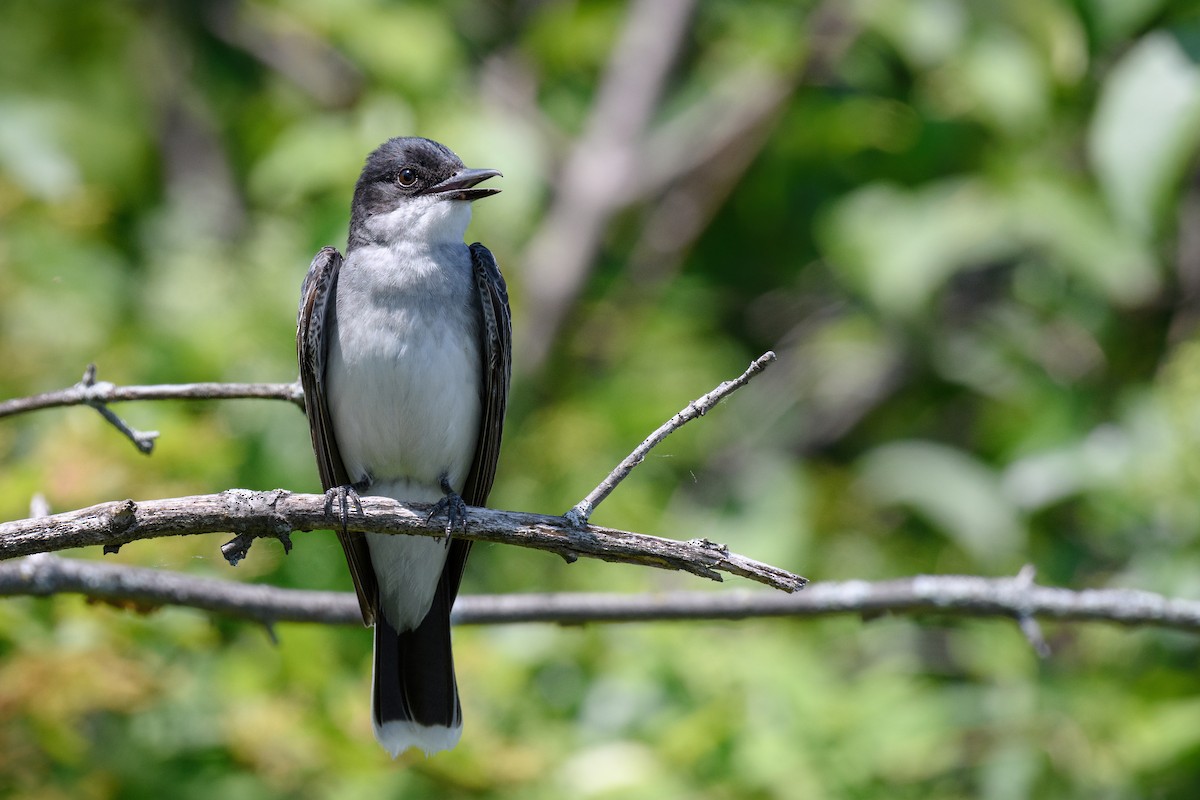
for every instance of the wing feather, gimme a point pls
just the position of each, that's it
(312, 346)
(497, 371)
(496, 353)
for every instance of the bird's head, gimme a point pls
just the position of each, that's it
(412, 187)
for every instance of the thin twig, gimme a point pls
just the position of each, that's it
(98, 394)
(142, 440)
(582, 512)
(105, 392)
(278, 512)
(1025, 619)
(39, 506)
(944, 595)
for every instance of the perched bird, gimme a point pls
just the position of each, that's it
(405, 358)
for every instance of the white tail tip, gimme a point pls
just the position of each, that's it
(396, 736)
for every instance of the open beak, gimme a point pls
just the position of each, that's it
(461, 185)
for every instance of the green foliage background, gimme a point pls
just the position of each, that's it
(971, 237)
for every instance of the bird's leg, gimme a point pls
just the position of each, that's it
(345, 496)
(452, 506)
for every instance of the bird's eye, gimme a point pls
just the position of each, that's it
(406, 177)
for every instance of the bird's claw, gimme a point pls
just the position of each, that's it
(452, 506)
(344, 496)
(455, 510)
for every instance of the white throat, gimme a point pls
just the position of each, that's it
(426, 219)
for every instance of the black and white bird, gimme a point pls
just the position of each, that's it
(405, 358)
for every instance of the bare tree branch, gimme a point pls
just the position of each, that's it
(593, 180)
(952, 595)
(580, 514)
(707, 131)
(695, 159)
(1025, 620)
(286, 45)
(98, 394)
(955, 595)
(693, 163)
(195, 168)
(277, 513)
(101, 392)
(146, 589)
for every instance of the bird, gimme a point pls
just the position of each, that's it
(405, 351)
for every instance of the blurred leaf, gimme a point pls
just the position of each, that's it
(1004, 82)
(29, 152)
(1116, 19)
(1059, 217)
(927, 32)
(953, 491)
(900, 246)
(1146, 128)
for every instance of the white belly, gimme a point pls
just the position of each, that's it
(403, 370)
(403, 389)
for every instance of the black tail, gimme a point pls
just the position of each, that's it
(415, 694)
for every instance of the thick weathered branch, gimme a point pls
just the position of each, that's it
(952, 595)
(277, 513)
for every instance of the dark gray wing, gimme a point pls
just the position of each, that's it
(313, 323)
(496, 332)
(496, 353)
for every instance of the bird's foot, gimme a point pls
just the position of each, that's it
(452, 506)
(344, 497)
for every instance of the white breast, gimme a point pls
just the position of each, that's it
(404, 366)
(403, 389)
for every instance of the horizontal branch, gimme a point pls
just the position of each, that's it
(146, 589)
(98, 394)
(277, 513)
(102, 392)
(953, 595)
